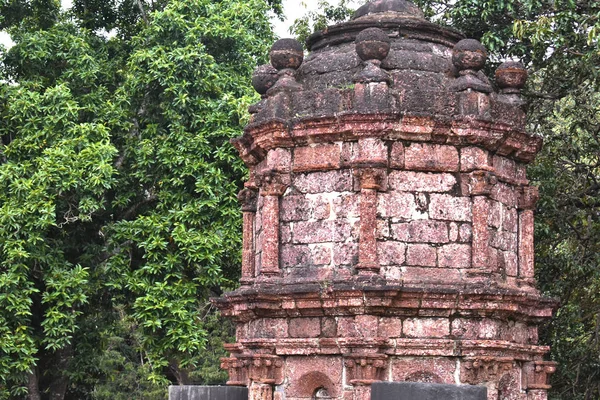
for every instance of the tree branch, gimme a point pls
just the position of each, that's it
(142, 10)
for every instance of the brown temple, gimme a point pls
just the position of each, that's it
(388, 219)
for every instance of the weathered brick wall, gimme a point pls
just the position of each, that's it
(424, 212)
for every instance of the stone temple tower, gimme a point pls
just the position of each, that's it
(388, 219)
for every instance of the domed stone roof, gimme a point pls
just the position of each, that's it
(382, 6)
(422, 70)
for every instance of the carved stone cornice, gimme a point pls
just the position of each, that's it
(501, 138)
(365, 369)
(529, 197)
(371, 178)
(237, 370)
(537, 374)
(249, 152)
(263, 368)
(273, 184)
(475, 371)
(248, 199)
(282, 301)
(480, 183)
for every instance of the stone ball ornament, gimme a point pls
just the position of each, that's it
(286, 54)
(372, 44)
(469, 54)
(511, 75)
(263, 78)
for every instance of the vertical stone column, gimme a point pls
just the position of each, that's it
(260, 391)
(537, 379)
(248, 198)
(371, 180)
(273, 187)
(527, 203)
(480, 184)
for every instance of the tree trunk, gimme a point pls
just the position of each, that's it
(59, 385)
(33, 386)
(181, 375)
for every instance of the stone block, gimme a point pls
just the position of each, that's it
(295, 208)
(320, 207)
(347, 327)
(521, 172)
(511, 263)
(426, 391)
(285, 233)
(321, 254)
(398, 205)
(454, 256)
(393, 273)
(389, 327)
(410, 181)
(324, 182)
(426, 327)
(496, 214)
(504, 240)
(279, 160)
(367, 325)
(422, 255)
(349, 150)
(505, 168)
(472, 158)
(422, 231)
(295, 255)
(317, 157)
(268, 328)
(453, 232)
(346, 205)
(430, 274)
(431, 157)
(328, 327)
(505, 194)
(465, 233)
(305, 327)
(473, 329)
(383, 229)
(397, 156)
(391, 252)
(450, 208)
(345, 254)
(321, 231)
(208, 393)
(372, 150)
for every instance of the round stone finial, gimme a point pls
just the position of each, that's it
(263, 78)
(286, 54)
(469, 54)
(511, 75)
(372, 44)
(383, 6)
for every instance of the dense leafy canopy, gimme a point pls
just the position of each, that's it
(118, 215)
(559, 41)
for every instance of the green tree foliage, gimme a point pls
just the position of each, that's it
(118, 215)
(559, 43)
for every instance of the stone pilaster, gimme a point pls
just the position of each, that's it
(371, 181)
(248, 199)
(272, 188)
